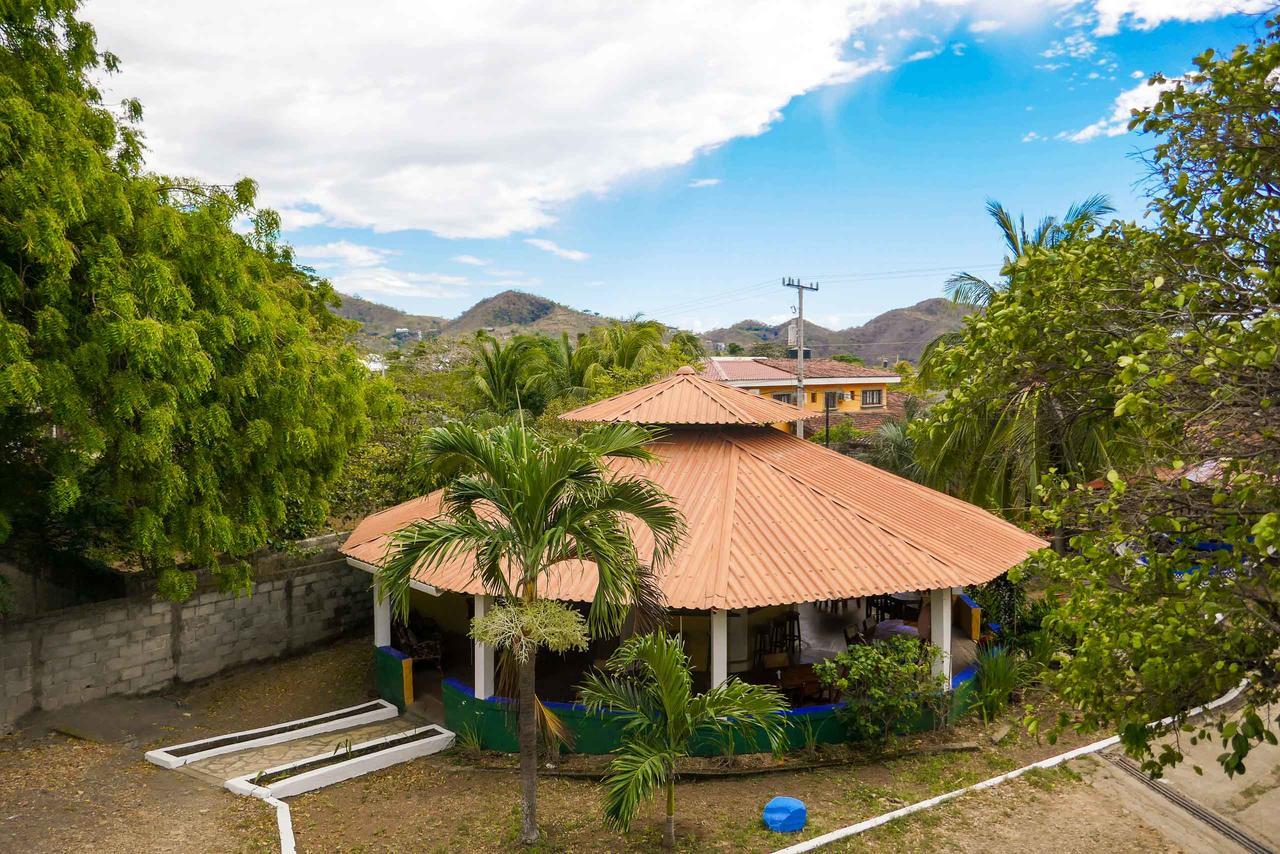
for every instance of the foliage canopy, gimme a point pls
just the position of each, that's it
(172, 391)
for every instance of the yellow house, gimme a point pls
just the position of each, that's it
(828, 384)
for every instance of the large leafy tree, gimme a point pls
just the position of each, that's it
(524, 506)
(647, 685)
(172, 391)
(1174, 593)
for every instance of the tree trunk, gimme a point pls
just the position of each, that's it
(528, 733)
(669, 832)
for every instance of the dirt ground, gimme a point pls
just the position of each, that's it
(76, 778)
(93, 789)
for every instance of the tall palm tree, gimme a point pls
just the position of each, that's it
(648, 685)
(566, 369)
(523, 505)
(996, 453)
(974, 290)
(502, 370)
(625, 344)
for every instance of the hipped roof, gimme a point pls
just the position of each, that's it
(686, 398)
(772, 520)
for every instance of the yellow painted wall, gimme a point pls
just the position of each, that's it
(814, 395)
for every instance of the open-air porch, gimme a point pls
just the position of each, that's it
(775, 646)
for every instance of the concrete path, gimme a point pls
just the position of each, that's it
(1251, 801)
(218, 769)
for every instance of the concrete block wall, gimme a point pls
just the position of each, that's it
(138, 645)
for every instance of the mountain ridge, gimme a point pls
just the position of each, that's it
(894, 334)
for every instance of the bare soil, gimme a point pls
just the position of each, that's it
(60, 793)
(93, 789)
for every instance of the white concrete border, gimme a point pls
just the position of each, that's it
(345, 770)
(885, 818)
(284, 824)
(165, 759)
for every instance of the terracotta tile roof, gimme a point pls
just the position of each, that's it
(738, 369)
(743, 369)
(829, 369)
(686, 398)
(772, 520)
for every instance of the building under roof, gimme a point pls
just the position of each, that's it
(772, 519)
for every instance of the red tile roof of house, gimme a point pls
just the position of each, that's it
(737, 369)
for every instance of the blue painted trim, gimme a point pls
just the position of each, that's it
(964, 676)
(964, 597)
(393, 652)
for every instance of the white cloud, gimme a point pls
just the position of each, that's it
(483, 118)
(471, 260)
(987, 25)
(1117, 122)
(1032, 136)
(469, 119)
(704, 182)
(1148, 14)
(398, 283)
(922, 54)
(958, 48)
(557, 250)
(1136, 75)
(1076, 45)
(342, 253)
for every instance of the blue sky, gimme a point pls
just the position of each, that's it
(678, 168)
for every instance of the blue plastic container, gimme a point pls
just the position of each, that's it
(785, 815)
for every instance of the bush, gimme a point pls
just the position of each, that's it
(1000, 672)
(887, 686)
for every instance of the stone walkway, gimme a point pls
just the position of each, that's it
(218, 769)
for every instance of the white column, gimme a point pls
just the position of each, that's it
(719, 647)
(484, 685)
(940, 630)
(381, 615)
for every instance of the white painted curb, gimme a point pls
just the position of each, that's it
(885, 818)
(345, 770)
(165, 759)
(284, 823)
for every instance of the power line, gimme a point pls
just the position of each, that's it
(754, 291)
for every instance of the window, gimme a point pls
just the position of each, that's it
(831, 400)
(785, 398)
(813, 397)
(873, 397)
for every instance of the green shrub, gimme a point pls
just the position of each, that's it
(1000, 672)
(887, 686)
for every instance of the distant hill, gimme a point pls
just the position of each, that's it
(504, 314)
(378, 323)
(515, 311)
(900, 333)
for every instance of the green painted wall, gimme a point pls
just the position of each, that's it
(495, 722)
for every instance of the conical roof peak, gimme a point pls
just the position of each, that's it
(686, 397)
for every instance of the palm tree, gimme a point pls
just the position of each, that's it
(996, 453)
(625, 344)
(565, 369)
(502, 370)
(974, 290)
(648, 685)
(522, 506)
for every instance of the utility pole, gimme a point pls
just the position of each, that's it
(800, 289)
